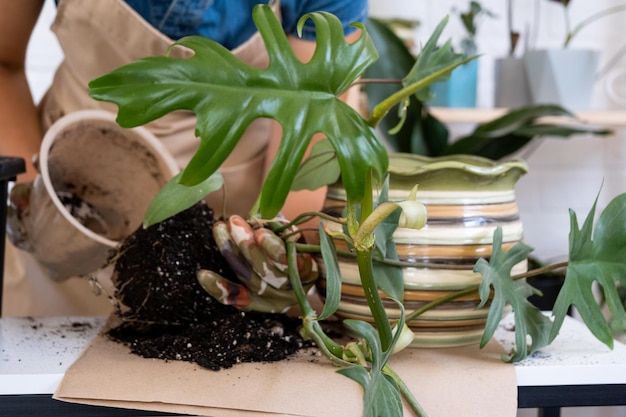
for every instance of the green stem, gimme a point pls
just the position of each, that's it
(304, 217)
(473, 289)
(382, 108)
(587, 21)
(567, 24)
(294, 279)
(329, 347)
(440, 301)
(310, 248)
(539, 271)
(366, 229)
(366, 272)
(364, 249)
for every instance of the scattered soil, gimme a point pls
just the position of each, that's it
(165, 312)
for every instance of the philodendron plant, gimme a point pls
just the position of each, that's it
(226, 95)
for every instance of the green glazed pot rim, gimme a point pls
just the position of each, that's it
(407, 164)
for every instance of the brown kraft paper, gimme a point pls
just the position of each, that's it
(463, 381)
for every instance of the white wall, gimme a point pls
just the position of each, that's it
(44, 53)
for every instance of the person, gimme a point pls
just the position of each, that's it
(98, 36)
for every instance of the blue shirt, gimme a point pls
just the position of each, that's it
(230, 23)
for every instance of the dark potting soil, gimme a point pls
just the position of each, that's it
(165, 312)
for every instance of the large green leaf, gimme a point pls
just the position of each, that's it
(496, 276)
(595, 256)
(227, 95)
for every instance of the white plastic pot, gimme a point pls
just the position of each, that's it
(113, 171)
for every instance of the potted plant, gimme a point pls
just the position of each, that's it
(461, 88)
(511, 87)
(565, 75)
(363, 161)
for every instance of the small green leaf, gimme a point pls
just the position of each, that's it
(175, 197)
(496, 276)
(319, 169)
(382, 395)
(333, 274)
(433, 58)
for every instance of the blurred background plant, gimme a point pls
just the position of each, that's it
(571, 32)
(470, 19)
(418, 131)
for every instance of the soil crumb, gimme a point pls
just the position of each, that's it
(167, 315)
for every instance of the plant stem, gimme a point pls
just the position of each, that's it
(509, 21)
(366, 229)
(440, 301)
(474, 288)
(376, 81)
(304, 217)
(590, 19)
(567, 24)
(366, 271)
(329, 347)
(362, 234)
(539, 271)
(309, 248)
(382, 108)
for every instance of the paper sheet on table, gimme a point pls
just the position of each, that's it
(462, 381)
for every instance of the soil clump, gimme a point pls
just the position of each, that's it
(165, 312)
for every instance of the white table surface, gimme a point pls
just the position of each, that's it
(575, 357)
(36, 352)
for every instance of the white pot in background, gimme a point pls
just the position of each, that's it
(511, 85)
(562, 76)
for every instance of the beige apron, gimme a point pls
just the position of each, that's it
(98, 37)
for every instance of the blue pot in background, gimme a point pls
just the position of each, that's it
(459, 90)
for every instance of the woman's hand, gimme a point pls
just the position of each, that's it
(258, 258)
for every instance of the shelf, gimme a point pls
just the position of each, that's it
(612, 118)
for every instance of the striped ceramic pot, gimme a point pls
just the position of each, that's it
(466, 198)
